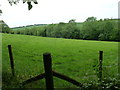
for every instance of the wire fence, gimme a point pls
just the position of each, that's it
(28, 53)
(30, 69)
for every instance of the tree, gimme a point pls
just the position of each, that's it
(89, 30)
(91, 19)
(0, 12)
(72, 21)
(24, 1)
(107, 31)
(4, 27)
(70, 30)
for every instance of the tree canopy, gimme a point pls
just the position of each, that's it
(0, 11)
(29, 2)
(89, 30)
(91, 19)
(24, 1)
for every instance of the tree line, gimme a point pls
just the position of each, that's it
(91, 29)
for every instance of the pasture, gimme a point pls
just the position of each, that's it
(77, 59)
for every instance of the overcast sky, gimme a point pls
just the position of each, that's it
(55, 11)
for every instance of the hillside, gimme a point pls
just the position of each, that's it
(28, 26)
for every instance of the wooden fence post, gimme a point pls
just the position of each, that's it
(11, 59)
(48, 71)
(100, 65)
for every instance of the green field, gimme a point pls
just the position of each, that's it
(77, 59)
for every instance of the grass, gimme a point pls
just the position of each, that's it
(77, 59)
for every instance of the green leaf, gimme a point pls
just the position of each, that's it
(29, 5)
(24, 1)
(36, 2)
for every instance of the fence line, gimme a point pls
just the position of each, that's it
(49, 73)
(26, 56)
(23, 51)
(32, 55)
(35, 54)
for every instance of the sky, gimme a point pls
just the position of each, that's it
(55, 11)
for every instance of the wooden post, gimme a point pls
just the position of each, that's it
(100, 65)
(48, 71)
(11, 59)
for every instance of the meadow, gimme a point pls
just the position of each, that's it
(75, 58)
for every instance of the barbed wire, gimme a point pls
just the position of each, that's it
(29, 54)
(35, 54)
(26, 52)
(66, 55)
(22, 53)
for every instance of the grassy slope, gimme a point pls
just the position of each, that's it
(28, 27)
(75, 58)
(79, 25)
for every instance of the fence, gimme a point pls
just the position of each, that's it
(49, 73)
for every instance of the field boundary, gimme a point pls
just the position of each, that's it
(49, 73)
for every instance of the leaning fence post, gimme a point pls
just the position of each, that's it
(11, 59)
(100, 65)
(48, 71)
